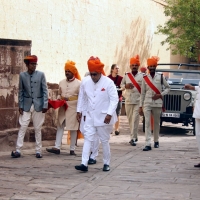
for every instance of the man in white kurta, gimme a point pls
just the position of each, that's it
(196, 114)
(68, 91)
(101, 96)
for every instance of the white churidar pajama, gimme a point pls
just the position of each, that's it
(95, 147)
(24, 120)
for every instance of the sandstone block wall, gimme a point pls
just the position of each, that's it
(113, 30)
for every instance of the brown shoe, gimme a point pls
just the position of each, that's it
(198, 165)
(53, 150)
(72, 153)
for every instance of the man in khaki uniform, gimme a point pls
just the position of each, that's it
(151, 101)
(68, 91)
(132, 97)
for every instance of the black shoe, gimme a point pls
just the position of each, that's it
(15, 154)
(53, 150)
(91, 161)
(147, 148)
(72, 153)
(81, 167)
(106, 168)
(156, 145)
(132, 143)
(117, 132)
(198, 165)
(136, 140)
(38, 155)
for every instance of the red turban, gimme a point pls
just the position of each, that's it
(95, 65)
(70, 65)
(135, 60)
(152, 61)
(31, 59)
(143, 69)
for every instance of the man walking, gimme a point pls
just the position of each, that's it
(152, 101)
(196, 114)
(68, 91)
(132, 83)
(33, 103)
(100, 95)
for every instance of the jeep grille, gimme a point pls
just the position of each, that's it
(172, 102)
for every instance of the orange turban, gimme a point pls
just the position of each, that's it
(153, 61)
(95, 65)
(70, 65)
(135, 60)
(31, 59)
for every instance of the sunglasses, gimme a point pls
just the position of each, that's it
(93, 74)
(134, 65)
(152, 66)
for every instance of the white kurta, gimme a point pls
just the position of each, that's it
(196, 115)
(98, 99)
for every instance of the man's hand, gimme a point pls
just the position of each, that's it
(21, 111)
(78, 116)
(141, 113)
(129, 86)
(157, 96)
(107, 119)
(44, 110)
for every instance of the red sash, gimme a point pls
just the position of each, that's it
(153, 87)
(57, 104)
(131, 77)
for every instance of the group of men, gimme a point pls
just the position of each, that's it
(94, 106)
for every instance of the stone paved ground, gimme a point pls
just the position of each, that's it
(166, 173)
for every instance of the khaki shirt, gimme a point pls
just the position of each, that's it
(147, 93)
(132, 96)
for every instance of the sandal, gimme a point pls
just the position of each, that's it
(15, 154)
(38, 155)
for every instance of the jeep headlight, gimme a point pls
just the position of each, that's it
(187, 96)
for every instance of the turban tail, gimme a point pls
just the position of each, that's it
(31, 59)
(70, 65)
(95, 65)
(135, 60)
(152, 61)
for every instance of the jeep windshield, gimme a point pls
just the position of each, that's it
(177, 78)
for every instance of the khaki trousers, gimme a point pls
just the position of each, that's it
(24, 120)
(132, 112)
(155, 111)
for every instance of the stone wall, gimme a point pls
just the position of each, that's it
(113, 30)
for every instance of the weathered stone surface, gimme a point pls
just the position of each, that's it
(8, 118)
(166, 173)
